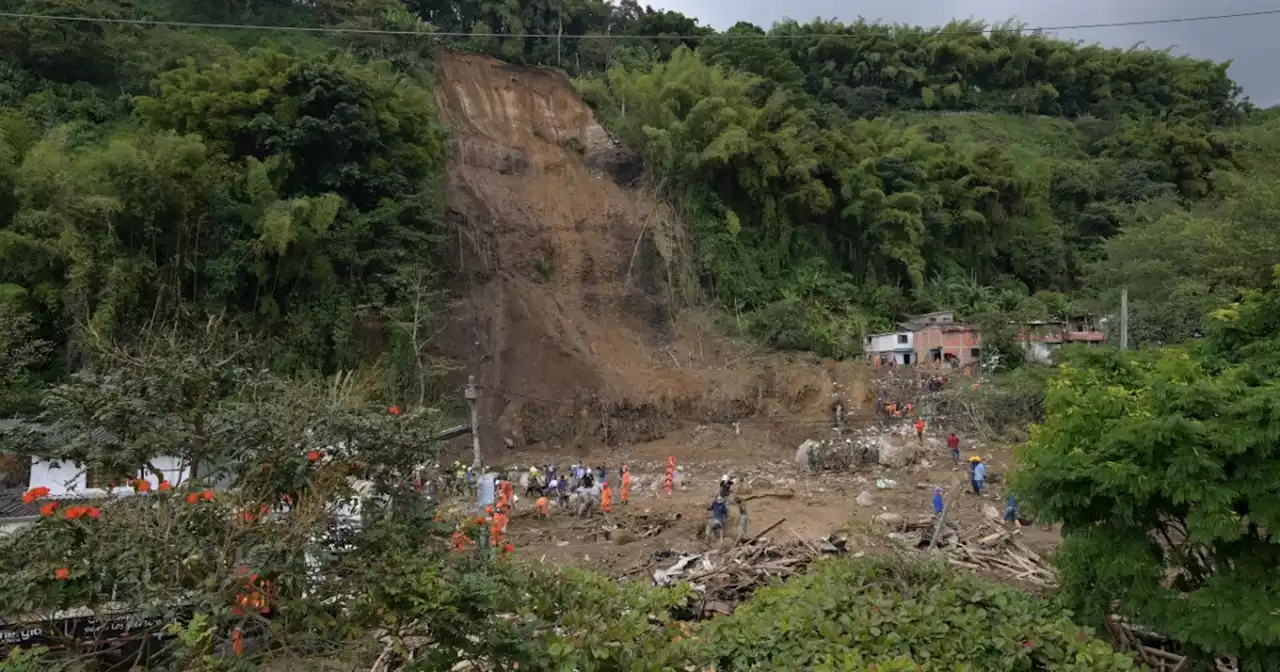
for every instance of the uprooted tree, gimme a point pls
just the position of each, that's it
(1164, 468)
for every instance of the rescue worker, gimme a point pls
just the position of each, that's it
(953, 443)
(920, 429)
(509, 493)
(977, 474)
(742, 518)
(625, 494)
(726, 485)
(937, 500)
(1011, 512)
(459, 477)
(606, 497)
(719, 512)
(460, 539)
(542, 507)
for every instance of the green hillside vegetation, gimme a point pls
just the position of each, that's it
(833, 183)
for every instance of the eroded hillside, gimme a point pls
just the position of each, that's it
(560, 266)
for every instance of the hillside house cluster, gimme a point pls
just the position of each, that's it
(938, 340)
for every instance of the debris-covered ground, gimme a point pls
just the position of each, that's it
(868, 509)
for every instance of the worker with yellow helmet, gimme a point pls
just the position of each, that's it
(977, 474)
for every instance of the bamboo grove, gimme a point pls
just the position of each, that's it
(832, 181)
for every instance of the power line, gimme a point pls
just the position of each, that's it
(767, 36)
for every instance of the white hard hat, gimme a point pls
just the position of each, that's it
(724, 477)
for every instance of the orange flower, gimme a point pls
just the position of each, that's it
(93, 512)
(164, 486)
(395, 410)
(142, 485)
(48, 509)
(193, 498)
(313, 455)
(207, 495)
(246, 516)
(73, 512)
(62, 573)
(34, 493)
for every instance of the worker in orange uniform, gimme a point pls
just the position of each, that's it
(626, 485)
(542, 507)
(606, 498)
(920, 429)
(497, 527)
(460, 539)
(509, 494)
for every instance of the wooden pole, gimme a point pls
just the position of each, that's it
(473, 396)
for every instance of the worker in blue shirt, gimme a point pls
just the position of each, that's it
(978, 474)
(1011, 512)
(937, 501)
(719, 512)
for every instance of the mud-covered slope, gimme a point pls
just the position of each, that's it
(556, 263)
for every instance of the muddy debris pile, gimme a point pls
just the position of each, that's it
(726, 579)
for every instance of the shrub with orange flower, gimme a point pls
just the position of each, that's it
(193, 498)
(314, 455)
(62, 573)
(207, 495)
(33, 494)
(48, 509)
(164, 486)
(142, 485)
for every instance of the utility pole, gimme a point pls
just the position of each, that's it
(473, 396)
(1124, 318)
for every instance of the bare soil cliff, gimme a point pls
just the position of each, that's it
(559, 269)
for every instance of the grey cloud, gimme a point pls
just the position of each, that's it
(1249, 43)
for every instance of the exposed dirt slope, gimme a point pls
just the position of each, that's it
(560, 314)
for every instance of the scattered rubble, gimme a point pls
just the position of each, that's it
(724, 579)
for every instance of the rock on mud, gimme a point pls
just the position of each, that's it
(864, 499)
(895, 453)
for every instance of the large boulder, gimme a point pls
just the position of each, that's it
(895, 452)
(804, 454)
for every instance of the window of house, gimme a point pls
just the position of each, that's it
(97, 478)
(902, 338)
(975, 352)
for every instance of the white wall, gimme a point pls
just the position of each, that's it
(889, 342)
(9, 527)
(1038, 352)
(68, 479)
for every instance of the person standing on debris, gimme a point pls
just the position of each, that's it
(937, 500)
(953, 443)
(1011, 512)
(606, 497)
(726, 485)
(920, 429)
(742, 517)
(626, 485)
(603, 473)
(719, 512)
(978, 475)
(509, 494)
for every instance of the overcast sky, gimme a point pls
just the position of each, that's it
(1250, 43)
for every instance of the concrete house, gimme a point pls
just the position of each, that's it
(1041, 338)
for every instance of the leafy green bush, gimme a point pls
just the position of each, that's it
(886, 614)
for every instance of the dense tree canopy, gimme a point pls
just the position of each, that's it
(1162, 467)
